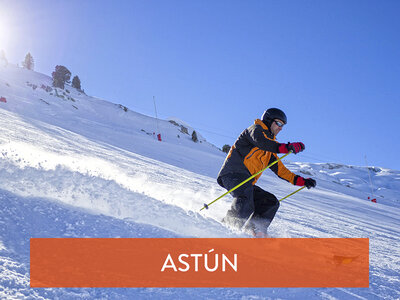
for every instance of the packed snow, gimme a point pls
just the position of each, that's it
(72, 165)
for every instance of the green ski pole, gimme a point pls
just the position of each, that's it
(243, 182)
(292, 193)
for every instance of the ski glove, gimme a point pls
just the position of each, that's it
(295, 147)
(309, 182)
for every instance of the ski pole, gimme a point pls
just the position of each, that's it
(247, 221)
(244, 181)
(292, 193)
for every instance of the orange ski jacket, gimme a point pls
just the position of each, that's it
(255, 148)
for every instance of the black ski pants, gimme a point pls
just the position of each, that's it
(247, 199)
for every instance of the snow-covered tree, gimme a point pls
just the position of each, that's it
(28, 63)
(61, 76)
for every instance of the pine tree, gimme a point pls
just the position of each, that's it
(226, 148)
(194, 136)
(61, 76)
(28, 63)
(76, 83)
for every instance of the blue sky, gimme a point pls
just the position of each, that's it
(332, 66)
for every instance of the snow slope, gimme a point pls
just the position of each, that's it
(78, 166)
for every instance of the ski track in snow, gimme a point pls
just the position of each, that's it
(83, 175)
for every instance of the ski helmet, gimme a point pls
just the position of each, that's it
(273, 113)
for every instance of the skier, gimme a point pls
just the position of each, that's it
(256, 147)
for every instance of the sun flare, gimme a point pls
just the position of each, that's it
(4, 32)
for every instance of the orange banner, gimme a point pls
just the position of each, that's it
(195, 262)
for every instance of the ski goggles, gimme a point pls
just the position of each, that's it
(280, 124)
